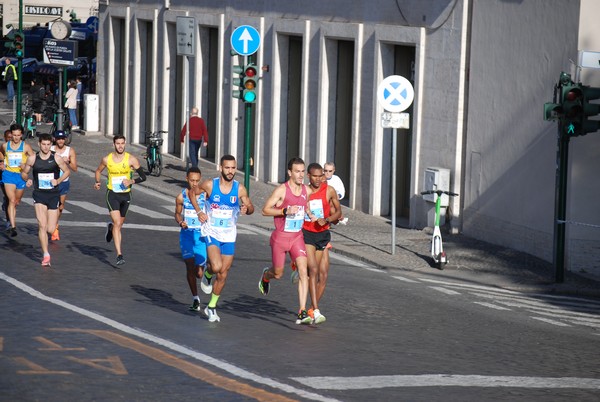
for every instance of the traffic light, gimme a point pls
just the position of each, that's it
(10, 43)
(238, 82)
(572, 107)
(590, 109)
(73, 17)
(250, 83)
(19, 42)
(552, 111)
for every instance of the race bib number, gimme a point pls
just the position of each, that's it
(14, 159)
(316, 207)
(293, 223)
(221, 218)
(117, 184)
(45, 181)
(191, 219)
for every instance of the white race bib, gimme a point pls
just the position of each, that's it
(117, 184)
(221, 218)
(293, 223)
(45, 181)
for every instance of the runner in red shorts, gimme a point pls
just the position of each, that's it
(287, 205)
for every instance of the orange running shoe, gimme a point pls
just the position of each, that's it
(55, 235)
(46, 261)
(311, 313)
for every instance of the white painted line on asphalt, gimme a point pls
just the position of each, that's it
(446, 380)
(512, 292)
(29, 201)
(403, 279)
(541, 305)
(553, 322)
(158, 228)
(149, 213)
(444, 290)
(88, 206)
(230, 368)
(490, 305)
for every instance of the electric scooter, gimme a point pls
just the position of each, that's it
(437, 247)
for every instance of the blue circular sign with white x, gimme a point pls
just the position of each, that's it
(395, 93)
(245, 40)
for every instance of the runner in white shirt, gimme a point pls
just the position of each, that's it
(70, 157)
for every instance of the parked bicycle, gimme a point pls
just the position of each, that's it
(437, 248)
(152, 155)
(28, 118)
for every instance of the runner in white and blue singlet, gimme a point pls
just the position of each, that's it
(227, 199)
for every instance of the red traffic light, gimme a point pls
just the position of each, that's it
(250, 71)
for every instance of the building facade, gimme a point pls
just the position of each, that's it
(40, 12)
(481, 72)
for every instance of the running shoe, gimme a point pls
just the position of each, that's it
(120, 259)
(108, 236)
(303, 318)
(343, 221)
(262, 285)
(13, 232)
(55, 235)
(206, 284)
(318, 317)
(195, 305)
(212, 315)
(46, 261)
(294, 276)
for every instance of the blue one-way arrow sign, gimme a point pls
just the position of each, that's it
(245, 40)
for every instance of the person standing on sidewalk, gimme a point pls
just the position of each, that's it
(287, 205)
(68, 154)
(49, 171)
(191, 242)
(317, 236)
(334, 181)
(15, 154)
(10, 76)
(198, 136)
(227, 199)
(79, 87)
(120, 166)
(71, 104)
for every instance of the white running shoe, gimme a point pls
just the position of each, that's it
(343, 221)
(212, 315)
(319, 318)
(206, 284)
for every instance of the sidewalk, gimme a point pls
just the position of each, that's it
(368, 239)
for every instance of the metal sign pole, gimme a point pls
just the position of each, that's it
(186, 106)
(394, 146)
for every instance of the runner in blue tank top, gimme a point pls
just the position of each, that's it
(191, 241)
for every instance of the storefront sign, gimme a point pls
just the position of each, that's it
(44, 10)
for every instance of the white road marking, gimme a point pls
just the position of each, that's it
(553, 322)
(403, 279)
(444, 290)
(88, 206)
(149, 213)
(490, 305)
(446, 380)
(158, 228)
(230, 368)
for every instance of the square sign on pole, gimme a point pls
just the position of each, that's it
(60, 52)
(186, 36)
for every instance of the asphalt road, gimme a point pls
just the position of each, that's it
(86, 329)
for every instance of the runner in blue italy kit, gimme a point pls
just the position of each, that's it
(191, 241)
(226, 200)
